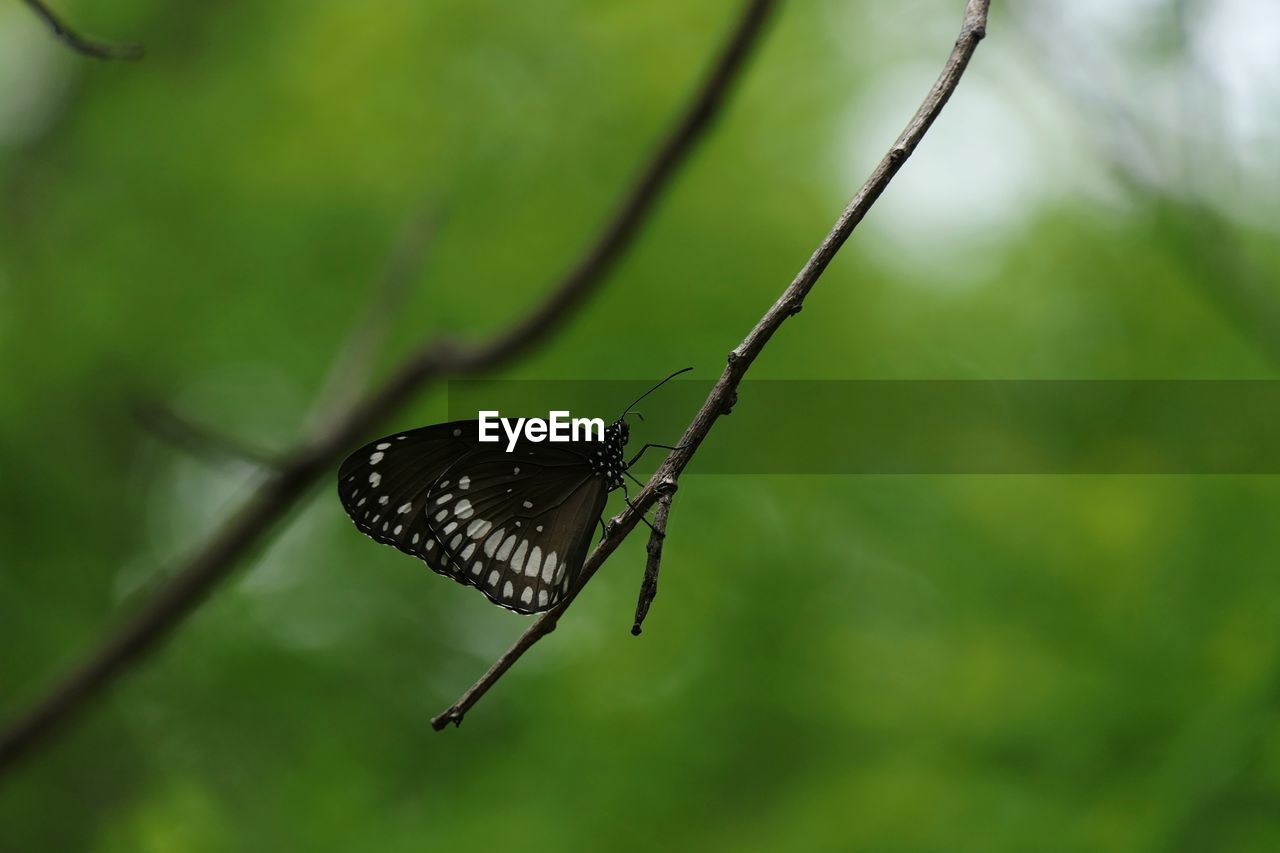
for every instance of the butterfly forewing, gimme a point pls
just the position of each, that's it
(383, 486)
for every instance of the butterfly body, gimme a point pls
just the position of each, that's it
(515, 524)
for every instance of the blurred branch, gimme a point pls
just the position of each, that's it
(348, 373)
(316, 458)
(197, 439)
(354, 361)
(83, 44)
(740, 359)
(658, 535)
(1172, 182)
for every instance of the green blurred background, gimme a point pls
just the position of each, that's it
(833, 663)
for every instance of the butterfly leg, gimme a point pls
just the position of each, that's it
(642, 517)
(640, 453)
(626, 496)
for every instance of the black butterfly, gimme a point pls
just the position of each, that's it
(515, 525)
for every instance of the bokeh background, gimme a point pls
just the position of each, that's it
(833, 663)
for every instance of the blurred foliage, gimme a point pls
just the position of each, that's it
(833, 663)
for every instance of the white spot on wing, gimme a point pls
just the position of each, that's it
(527, 595)
(444, 499)
(464, 482)
(527, 504)
(493, 578)
(375, 479)
(507, 589)
(491, 544)
(442, 515)
(404, 508)
(535, 562)
(468, 551)
(384, 445)
(505, 550)
(517, 560)
(463, 510)
(548, 566)
(375, 458)
(450, 527)
(478, 528)
(542, 598)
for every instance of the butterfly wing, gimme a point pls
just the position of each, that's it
(383, 486)
(514, 525)
(517, 525)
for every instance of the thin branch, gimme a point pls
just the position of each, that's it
(197, 439)
(724, 394)
(349, 371)
(315, 460)
(354, 360)
(83, 44)
(649, 586)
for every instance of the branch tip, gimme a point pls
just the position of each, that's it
(83, 44)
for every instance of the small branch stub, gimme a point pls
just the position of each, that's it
(649, 586)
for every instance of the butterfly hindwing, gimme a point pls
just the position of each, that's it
(517, 525)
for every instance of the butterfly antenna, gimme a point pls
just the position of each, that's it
(651, 390)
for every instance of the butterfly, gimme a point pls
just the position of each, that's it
(514, 524)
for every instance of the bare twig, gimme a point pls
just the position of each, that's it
(353, 362)
(349, 371)
(197, 439)
(649, 586)
(83, 44)
(280, 492)
(724, 394)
